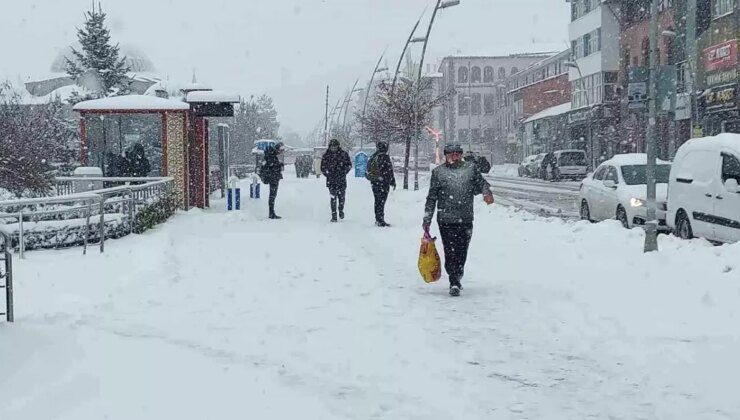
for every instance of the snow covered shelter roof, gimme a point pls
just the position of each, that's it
(132, 103)
(550, 112)
(203, 96)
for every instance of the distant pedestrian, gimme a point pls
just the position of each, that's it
(271, 173)
(335, 165)
(452, 188)
(381, 177)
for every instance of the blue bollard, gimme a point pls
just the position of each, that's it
(230, 200)
(238, 198)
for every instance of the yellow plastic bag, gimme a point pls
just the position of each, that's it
(430, 265)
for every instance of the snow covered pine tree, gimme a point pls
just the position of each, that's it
(97, 67)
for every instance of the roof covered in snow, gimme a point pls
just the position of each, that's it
(550, 112)
(631, 159)
(132, 103)
(212, 96)
(725, 140)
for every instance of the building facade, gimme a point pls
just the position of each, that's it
(539, 95)
(537, 88)
(594, 33)
(471, 115)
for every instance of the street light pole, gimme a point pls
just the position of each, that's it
(367, 95)
(326, 118)
(440, 5)
(651, 225)
(405, 47)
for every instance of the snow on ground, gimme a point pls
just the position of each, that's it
(508, 169)
(230, 316)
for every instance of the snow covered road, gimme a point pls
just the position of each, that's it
(229, 316)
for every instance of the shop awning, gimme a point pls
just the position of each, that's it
(550, 112)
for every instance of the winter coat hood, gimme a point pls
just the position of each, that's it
(382, 147)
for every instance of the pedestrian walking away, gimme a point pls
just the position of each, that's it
(335, 165)
(452, 189)
(271, 173)
(381, 177)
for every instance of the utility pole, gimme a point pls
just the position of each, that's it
(326, 118)
(651, 225)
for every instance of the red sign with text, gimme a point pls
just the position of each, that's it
(721, 57)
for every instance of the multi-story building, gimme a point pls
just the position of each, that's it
(540, 95)
(594, 35)
(673, 125)
(469, 116)
(717, 64)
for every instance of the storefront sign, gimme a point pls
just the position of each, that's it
(721, 57)
(721, 98)
(637, 95)
(722, 77)
(579, 116)
(683, 107)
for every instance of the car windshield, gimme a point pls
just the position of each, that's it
(636, 174)
(572, 159)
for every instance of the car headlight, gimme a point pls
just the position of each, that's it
(636, 202)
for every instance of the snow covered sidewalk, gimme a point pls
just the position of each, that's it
(221, 315)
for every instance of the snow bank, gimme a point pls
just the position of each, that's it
(227, 315)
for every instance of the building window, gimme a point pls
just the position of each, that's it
(475, 75)
(476, 134)
(488, 74)
(501, 73)
(723, 7)
(462, 75)
(462, 135)
(475, 104)
(462, 104)
(514, 70)
(489, 103)
(586, 45)
(489, 134)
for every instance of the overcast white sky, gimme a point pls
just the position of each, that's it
(290, 49)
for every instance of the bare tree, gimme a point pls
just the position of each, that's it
(398, 115)
(32, 139)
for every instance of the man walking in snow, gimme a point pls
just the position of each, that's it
(452, 189)
(335, 165)
(271, 173)
(381, 177)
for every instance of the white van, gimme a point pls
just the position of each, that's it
(572, 164)
(703, 190)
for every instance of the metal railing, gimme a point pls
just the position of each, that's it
(65, 220)
(7, 275)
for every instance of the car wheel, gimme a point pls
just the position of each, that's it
(585, 211)
(683, 226)
(622, 217)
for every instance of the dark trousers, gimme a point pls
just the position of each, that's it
(273, 195)
(380, 191)
(456, 240)
(337, 194)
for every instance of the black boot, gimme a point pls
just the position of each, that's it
(333, 203)
(275, 217)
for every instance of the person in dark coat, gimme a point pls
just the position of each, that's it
(137, 165)
(335, 165)
(271, 174)
(452, 189)
(381, 177)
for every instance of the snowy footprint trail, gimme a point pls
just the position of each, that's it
(229, 315)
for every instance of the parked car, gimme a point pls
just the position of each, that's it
(570, 164)
(525, 167)
(535, 168)
(618, 190)
(704, 196)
